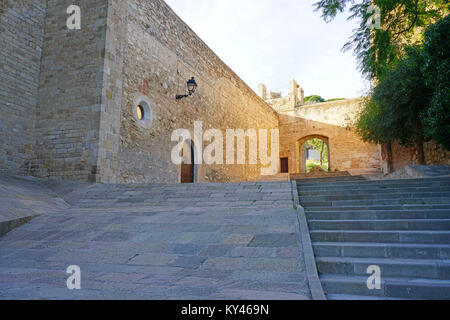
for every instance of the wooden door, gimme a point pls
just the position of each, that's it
(284, 165)
(187, 169)
(187, 173)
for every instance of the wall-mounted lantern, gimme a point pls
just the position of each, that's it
(191, 86)
(347, 122)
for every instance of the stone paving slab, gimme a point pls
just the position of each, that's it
(22, 199)
(160, 250)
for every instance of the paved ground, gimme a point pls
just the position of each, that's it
(22, 198)
(231, 241)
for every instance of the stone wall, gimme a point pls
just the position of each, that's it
(71, 92)
(434, 153)
(21, 38)
(327, 121)
(68, 98)
(110, 117)
(161, 54)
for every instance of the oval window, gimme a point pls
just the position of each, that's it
(140, 112)
(143, 113)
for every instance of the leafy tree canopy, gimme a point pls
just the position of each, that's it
(314, 99)
(401, 23)
(393, 111)
(436, 72)
(411, 103)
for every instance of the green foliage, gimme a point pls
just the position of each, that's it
(377, 49)
(411, 102)
(319, 145)
(312, 164)
(335, 99)
(393, 111)
(314, 99)
(436, 72)
(322, 148)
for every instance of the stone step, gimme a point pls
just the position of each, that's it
(369, 192)
(343, 288)
(396, 225)
(401, 268)
(402, 226)
(382, 250)
(425, 237)
(350, 203)
(307, 180)
(350, 297)
(397, 184)
(372, 187)
(382, 207)
(254, 194)
(378, 215)
(394, 184)
(389, 196)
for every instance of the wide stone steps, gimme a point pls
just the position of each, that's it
(372, 225)
(426, 237)
(401, 226)
(350, 297)
(382, 250)
(408, 183)
(373, 191)
(379, 215)
(258, 194)
(382, 207)
(401, 268)
(350, 203)
(307, 180)
(369, 188)
(355, 288)
(373, 196)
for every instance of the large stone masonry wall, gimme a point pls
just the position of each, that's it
(21, 38)
(435, 154)
(71, 92)
(161, 54)
(347, 151)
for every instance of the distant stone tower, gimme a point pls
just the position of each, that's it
(293, 93)
(262, 91)
(301, 96)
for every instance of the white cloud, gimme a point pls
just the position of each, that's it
(272, 41)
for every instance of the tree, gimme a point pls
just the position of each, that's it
(436, 71)
(313, 99)
(394, 110)
(411, 103)
(319, 145)
(401, 24)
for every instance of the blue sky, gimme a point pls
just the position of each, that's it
(273, 41)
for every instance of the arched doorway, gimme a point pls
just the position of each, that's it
(188, 167)
(313, 151)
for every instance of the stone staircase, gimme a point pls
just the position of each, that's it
(214, 195)
(402, 226)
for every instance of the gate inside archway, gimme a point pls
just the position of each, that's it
(313, 151)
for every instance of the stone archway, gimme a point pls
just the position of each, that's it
(301, 151)
(189, 168)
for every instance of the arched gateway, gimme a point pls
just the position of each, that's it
(303, 151)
